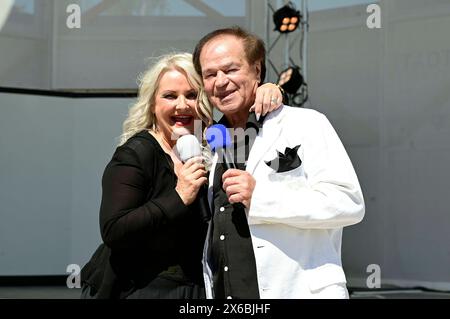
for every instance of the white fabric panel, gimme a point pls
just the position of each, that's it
(386, 93)
(53, 153)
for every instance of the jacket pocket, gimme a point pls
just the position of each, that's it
(325, 275)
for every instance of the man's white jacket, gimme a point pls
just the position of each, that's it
(296, 217)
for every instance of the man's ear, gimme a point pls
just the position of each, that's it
(258, 71)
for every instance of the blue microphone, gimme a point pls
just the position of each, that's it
(219, 139)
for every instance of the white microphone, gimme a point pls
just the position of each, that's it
(188, 147)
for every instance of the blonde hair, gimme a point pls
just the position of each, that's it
(141, 116)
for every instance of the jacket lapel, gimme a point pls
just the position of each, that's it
(267, 136)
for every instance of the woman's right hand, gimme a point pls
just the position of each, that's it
(191, 175)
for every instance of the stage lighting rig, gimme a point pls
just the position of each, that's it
(291, 25)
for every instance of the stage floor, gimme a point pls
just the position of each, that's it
(62, 292)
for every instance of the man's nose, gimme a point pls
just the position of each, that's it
(222, 79)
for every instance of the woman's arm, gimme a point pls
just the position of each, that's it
(126, 216)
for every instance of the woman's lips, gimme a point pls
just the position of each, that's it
(182, 120)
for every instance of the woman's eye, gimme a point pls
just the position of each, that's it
(169, 96)
(192, 96)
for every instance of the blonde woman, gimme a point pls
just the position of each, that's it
(152, 230)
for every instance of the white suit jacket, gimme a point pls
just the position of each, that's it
(296, 217)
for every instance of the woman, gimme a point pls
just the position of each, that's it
(150, 222)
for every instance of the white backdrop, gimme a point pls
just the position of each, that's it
(385, 91)
(53, 152)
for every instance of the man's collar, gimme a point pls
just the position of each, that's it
(251, 122)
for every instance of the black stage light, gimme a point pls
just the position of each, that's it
(286, 19)
(290, 79)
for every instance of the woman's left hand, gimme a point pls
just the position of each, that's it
(268, 99)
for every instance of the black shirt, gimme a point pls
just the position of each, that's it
(230, 256)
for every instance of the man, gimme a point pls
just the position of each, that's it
(277, 221)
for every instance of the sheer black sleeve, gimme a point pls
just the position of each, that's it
(127, 216)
